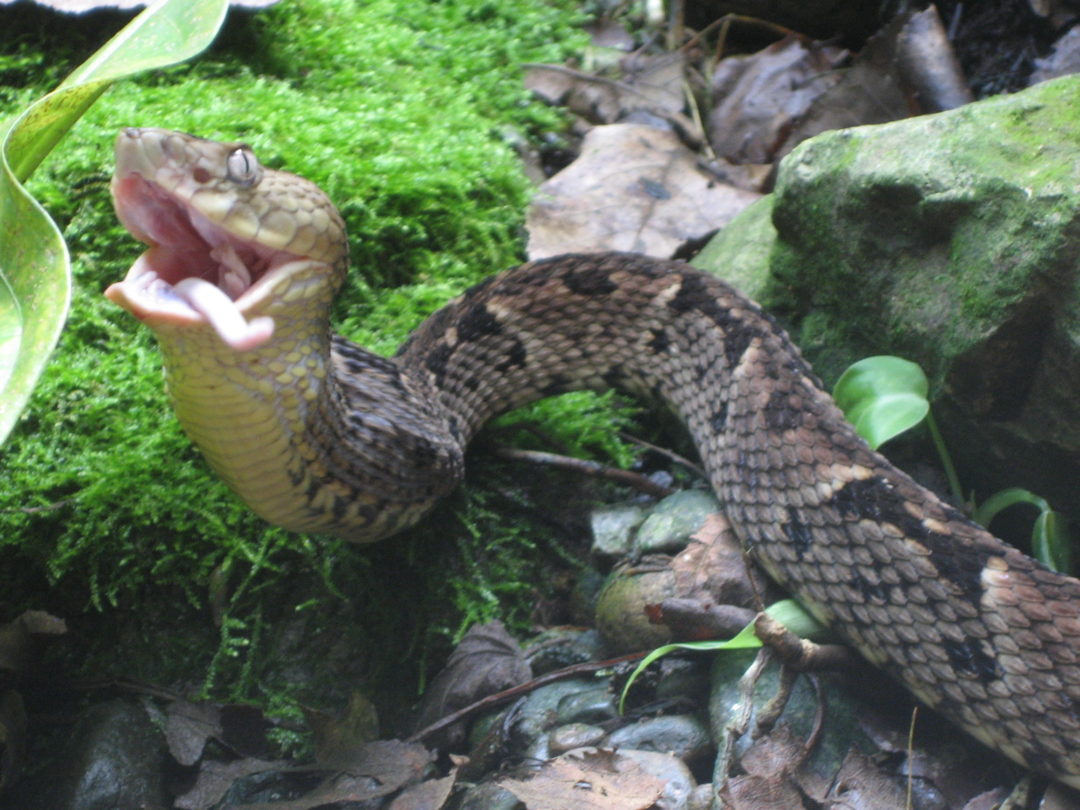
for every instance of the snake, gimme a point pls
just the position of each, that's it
(317, 434)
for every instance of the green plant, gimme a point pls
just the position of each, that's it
(35, 271)
(884, 396)
(788, 612)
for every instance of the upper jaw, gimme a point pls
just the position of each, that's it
(194, 272)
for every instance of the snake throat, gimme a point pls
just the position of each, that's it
(316, 434)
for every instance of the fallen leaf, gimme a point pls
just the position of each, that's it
(633, 188)
(17, 640)
(216, 778)
(712, 567)
(188, 727)
(487, 660)
(429, 795)
(861, 783)
(340, 737)
(588, 779)
(760, 96)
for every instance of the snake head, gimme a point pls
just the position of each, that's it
(228, 238)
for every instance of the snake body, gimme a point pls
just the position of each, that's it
(317, 434)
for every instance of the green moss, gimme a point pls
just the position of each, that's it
(397, 110)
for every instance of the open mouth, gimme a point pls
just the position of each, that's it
(195, 272)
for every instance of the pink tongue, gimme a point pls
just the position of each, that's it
(221, 313)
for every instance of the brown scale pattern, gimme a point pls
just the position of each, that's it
(974, 628)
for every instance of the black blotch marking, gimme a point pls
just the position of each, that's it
(515, 357)
(558, 385)
(779, 415)
(478, 322)
(660, 341)
(718, 421)
(453, 426)
(614, 376)
(957, 558)
(589, 281)
(296, 476)
(695, 295)
(970, 657)
(437, 359)
(877, 592)
(798, 533)
(338, 507)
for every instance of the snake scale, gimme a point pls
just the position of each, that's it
(316, 434)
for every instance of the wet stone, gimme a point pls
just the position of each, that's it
(671, 523)
(113, 760)
(682, 735)
(489, 797)
(613, 530)
(593, 705)
(573, 735)
(678, 781)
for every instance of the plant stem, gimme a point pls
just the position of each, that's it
(946, 459)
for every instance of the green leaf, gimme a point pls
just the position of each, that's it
(1050, 540)
(883, 396)
(787, 611)
(35, 274)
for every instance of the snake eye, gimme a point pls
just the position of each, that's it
(242, 167)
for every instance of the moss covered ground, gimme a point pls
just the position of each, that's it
(405, 112)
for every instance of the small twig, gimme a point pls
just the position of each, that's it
(506, 695)
(682, 460)
(33, 510)
(594, 468)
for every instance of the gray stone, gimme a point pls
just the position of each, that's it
(573, 735)
(489, 796)
(613, 530)
(681, 735)
(678, 781)
(593, 705)
(541, 709)
(113, 760)
(672, 521)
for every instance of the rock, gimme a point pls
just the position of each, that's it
(671, 522)
(574, 735)
(613, 530)
(544, 708)
(678, 781)
(113, 760)
(681, 735)
(949, 239)
(620, 611)
(489, 796)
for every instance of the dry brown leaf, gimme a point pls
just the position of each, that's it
(487, 660)
(647, 84)
(17, 639)
(187, 728)
(429, 795)
(759, 96)
(712, 567)
(634, 188)
(339, 738)
(862, 783)
(588, 779)
(215, 779)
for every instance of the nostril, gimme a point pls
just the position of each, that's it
(132, 132)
